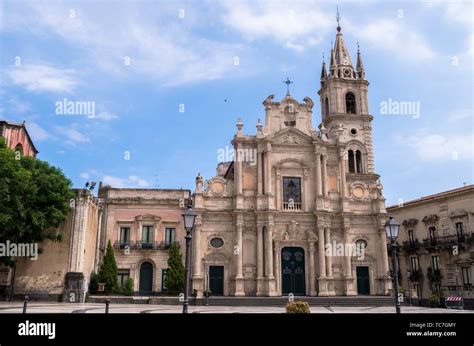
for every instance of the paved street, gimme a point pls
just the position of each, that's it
(38, 307)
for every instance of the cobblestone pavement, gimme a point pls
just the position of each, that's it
(90, 308)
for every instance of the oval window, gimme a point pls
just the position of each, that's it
(361, 244)
(217, 242)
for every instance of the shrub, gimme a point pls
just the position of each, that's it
(298, 307)
(175, 273)
(433, 300)
(94, 283)
(127, 288)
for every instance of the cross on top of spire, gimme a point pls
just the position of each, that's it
(287, 82)
(338, 18)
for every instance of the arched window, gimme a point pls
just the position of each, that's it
(355, 161)
(358, 159)
(19, 149)
(351, 161)
(326, 108)
(350, 103)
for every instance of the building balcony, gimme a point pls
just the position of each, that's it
(140, 245)
(448, 241)
(292, 206)
(434, 274)
(411, 245)
(416, 275)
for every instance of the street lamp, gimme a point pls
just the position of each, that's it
(392, 228)
(188, 217)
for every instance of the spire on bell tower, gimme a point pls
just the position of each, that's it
(360, 66)
(324, 74)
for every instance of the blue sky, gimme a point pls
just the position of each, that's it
(141, 62)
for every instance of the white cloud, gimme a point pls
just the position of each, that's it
(397, 38)
(72, 135)
(440, 147)
(84, 175)
(293, 25)
(105, 115)
(156, 44)
(43, 78)
(461, 114)
(131, 181)
(36, 132)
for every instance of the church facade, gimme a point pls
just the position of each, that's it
(282, 217)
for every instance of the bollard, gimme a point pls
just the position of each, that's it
(25, 304)
(107, 302)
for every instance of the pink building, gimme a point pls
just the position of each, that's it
(141, 225)
(17, 138)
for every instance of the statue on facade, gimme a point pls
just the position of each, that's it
(199, 181)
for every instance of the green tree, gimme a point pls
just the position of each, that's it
(108, 273)
(34, 200)
(175, 271)
(127, 288)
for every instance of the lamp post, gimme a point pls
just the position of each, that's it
(392, 228)
(188, 217)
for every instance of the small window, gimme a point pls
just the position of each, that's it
(350, 103)
(147, 234)
(123, 275)
(358, 159)
(459, 229)
(350, 154)
(217, 242)
(353, 132)
(170, 235)
(291, 193)
(432, 232)
(411, 235)
(290, 123)
(414, 263)
(361, 244)
(124, 235)
(435, 262)
(466, 279)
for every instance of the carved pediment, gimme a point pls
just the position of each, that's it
(431, 219)
(458, 213)
(292, 136)
(147, 217)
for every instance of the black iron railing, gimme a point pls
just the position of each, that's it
(141, 245)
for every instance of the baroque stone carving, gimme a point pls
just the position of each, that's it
(410, 223)
(431, 219)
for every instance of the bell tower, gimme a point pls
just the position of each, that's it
(344, 106)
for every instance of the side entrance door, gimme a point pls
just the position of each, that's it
(363, 285)
(216, 280)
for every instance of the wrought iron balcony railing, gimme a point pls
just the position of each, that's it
(141, 245)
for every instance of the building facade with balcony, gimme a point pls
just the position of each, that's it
(142, 224)
(436, 243)
(266, 219)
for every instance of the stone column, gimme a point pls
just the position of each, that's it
(269, 252)
(327, 237)
(342, 166)
(239, 279)
(318, 175)
(279, 205)
(238, 169)
(383, 249)
(276, 258)
(259, 173)
(260, 288)
(304, 194)
(312, 274)
(268, 170)
(321, 253)
(347, 259)
(325, 176)
(322, 282)
(197, 278)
